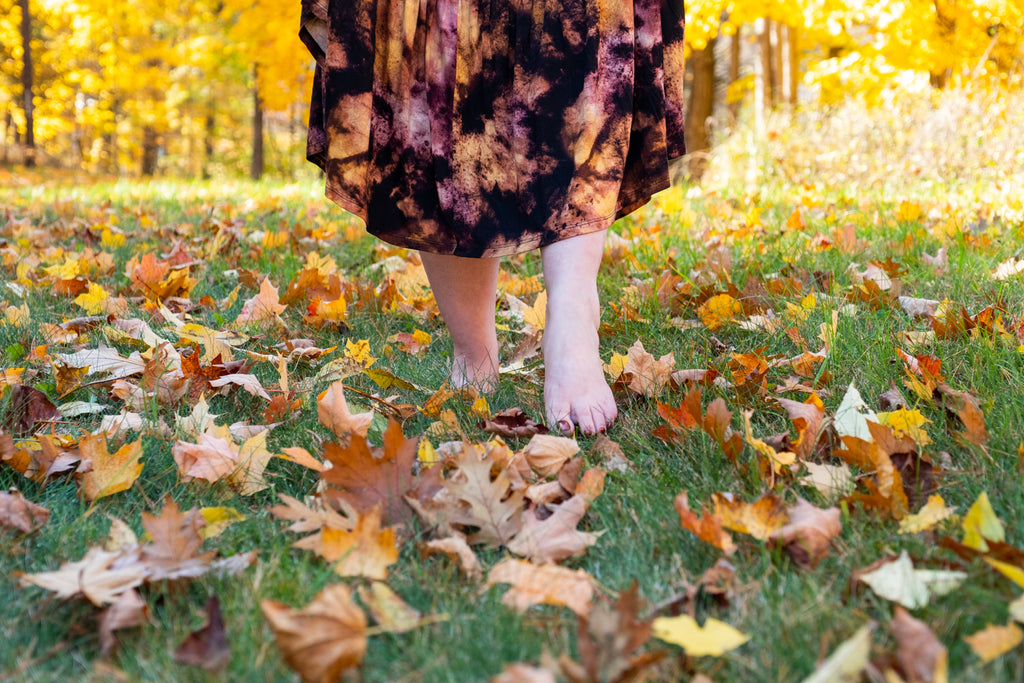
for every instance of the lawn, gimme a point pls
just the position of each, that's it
(794, 291)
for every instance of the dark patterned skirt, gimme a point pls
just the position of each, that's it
(488, 127)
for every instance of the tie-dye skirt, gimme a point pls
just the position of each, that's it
(487, 127)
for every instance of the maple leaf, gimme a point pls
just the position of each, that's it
(608, 639)
(250, 383)
(491, 508)
(707, 528)
(807, 418)
(994, 641)
(305, 519)
(98, 576)
(323, 640)
(645, 375)
(808, 533)
(20, 514)
(366, 550)
(175, 542)
(368, 477)
(556, 537)
(547, 584)
(333, 412)
(216, 456)
(264, 306)
(108, 473)
(718, 310)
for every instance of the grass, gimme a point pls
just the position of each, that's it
(793, 616)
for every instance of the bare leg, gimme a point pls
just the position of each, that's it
(466, 291)
(575, 390)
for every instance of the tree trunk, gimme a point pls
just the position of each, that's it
(794, 64)
(208, 128)
(778, 68)
(150, 151)
(701, 107)
(27, 79)
(767, 64)
(256, 169)
(734, 70)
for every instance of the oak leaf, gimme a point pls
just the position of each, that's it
(457, 549)
(324, 639)
(490, 506)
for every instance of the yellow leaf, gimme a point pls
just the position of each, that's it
(908, 212)
(534, 316)
(480, 408)
(930, 514)
(218, 519)
(618, 363)
(110, 239)
(93, 301)
(908, 422)
(359, 352)
(718, 310)
(981, 524)
(18, 316)
(110, 473)
(426, 453)
(1010, 571)
(715, 638)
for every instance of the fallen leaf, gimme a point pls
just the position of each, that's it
(807, 535)
(333, 412)
(546, 584)
(547, 453)
(759, 519)
(852, 415)
(933, 512)
(608, 639)
(899, 582)
(392, 614)
(97, 576)
(647, 376)
(714, 638)
(17, 513)
(490, 505)
(555, 538)
(512, 424)
(847, 661)
(323, 640)
(457, 549)
(524, 673)
(610, 454)
(250, 383)
(718, 310)
(208, 647)
(305, 519)
(110, 473)
(981, 524)
(367, 550)
(127, 611)
(994, 641)
(264, 306)
(831, 481)
(923, 658)
(25, 407)
(707, 528)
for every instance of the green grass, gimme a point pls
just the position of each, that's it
(792, 615)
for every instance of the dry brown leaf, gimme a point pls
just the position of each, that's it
(524, 673)
(512, 424)
(807, 418)
(921, 655)
(609, 637)
(707, 528)
(555, 538)
(20, 514)
(333, 412)
(807, 536)
(175, 542)
(207, 647)
(458, 550)
(490, 507)
(646, 375)
(610, 454)
(324, 639)
(547, 453)
(26, 406)
(547, 584)
(109, 473)
(264, 306)
(306, 519)
(97, 576)
(129, 610)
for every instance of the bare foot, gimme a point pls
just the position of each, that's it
(477, 370)
(575, 391)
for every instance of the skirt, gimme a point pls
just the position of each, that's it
(481, 128)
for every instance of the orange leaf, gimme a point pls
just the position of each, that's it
(707, 528)
(367, 550)
(109, 473)
(758, 519)
(547, 584)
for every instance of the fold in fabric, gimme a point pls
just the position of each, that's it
(487, 127)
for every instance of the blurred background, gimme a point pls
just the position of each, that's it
(854, 89)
